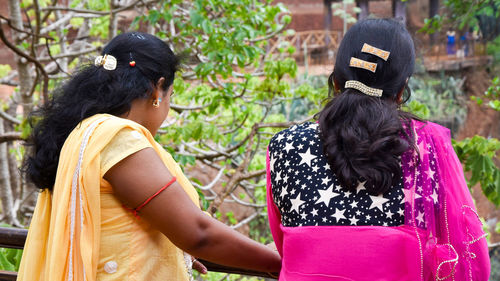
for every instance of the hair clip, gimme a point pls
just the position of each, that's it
(375, 51)
(132, 61)
(138, 36)
(353, 84)
(370, 66)
(108, 62)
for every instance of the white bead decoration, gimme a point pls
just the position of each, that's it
(353, 84)
(110, 267)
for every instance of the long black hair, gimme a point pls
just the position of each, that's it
(96, 90)
(363, 135)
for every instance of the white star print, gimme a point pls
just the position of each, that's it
(303, 216)
(420, 217)
(408, 179)
(354, 220)
(361, 186)
(307, 157)
(434, 196)
(284, 192)
(327, 166)
(347, 194)
(323, 219)
(278, 176)
(339, 214)
(271, 163)
(389, 214)
(354, 204)
(401, 212)
(285, 179)
(325, 180)
(314, 212)
(378, 202)
(315, 169)
(280, 137)
(326, 195)
(430, 173)
(288, 146)
(300, 146)
(296, 203)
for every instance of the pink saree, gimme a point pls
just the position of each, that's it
(442, 238)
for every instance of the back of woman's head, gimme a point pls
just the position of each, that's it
(363, 134)
(141, 60)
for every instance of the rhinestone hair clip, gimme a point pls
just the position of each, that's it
(108, 62)
(370, 66)
(353, 84)
(375, 51)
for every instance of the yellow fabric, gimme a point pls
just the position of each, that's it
(126, 142)
(109, 232)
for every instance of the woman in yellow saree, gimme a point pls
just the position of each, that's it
(114, 205)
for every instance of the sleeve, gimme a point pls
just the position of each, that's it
(460, 223)
(273, 213)
(125, 143)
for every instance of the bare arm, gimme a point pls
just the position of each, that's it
(172, 212)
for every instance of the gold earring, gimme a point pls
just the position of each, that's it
(156, 103)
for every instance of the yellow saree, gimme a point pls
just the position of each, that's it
(79, 232)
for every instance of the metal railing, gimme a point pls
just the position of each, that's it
(15, 238)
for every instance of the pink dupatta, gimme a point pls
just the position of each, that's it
(442, 238)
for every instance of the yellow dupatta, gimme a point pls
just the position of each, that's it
(64, 235)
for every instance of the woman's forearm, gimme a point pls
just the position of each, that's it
(225, 246)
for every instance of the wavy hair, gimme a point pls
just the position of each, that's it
(94, 90)
(364, 136)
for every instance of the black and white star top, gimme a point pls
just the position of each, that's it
(307, 192)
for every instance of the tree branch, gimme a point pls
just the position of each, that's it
(137, 3)
(9, 118)
(11, 136)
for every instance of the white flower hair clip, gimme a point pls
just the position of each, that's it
(108, 62)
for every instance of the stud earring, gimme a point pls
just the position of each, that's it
(156, 103)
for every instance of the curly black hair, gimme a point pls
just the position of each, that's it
(94, 90)
(363, 135)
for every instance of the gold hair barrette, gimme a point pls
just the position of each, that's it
(375, 51)
(353, 84)
(108, 62)
(370, 66)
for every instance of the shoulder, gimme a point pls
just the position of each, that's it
(432, 130)
(304, 132)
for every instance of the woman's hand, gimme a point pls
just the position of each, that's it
(198, 266)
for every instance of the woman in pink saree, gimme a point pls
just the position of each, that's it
(370, 192)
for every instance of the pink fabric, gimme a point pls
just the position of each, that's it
(451, 245)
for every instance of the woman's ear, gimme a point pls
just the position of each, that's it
(158, 89)
(337, 87)
(160, 83)
(399, 97)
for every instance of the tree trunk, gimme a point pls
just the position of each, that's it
(25, 79)
(327, 19)
(6, 189)
(433, 11)
(399, 10)
(15, 176)
(365, 11)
